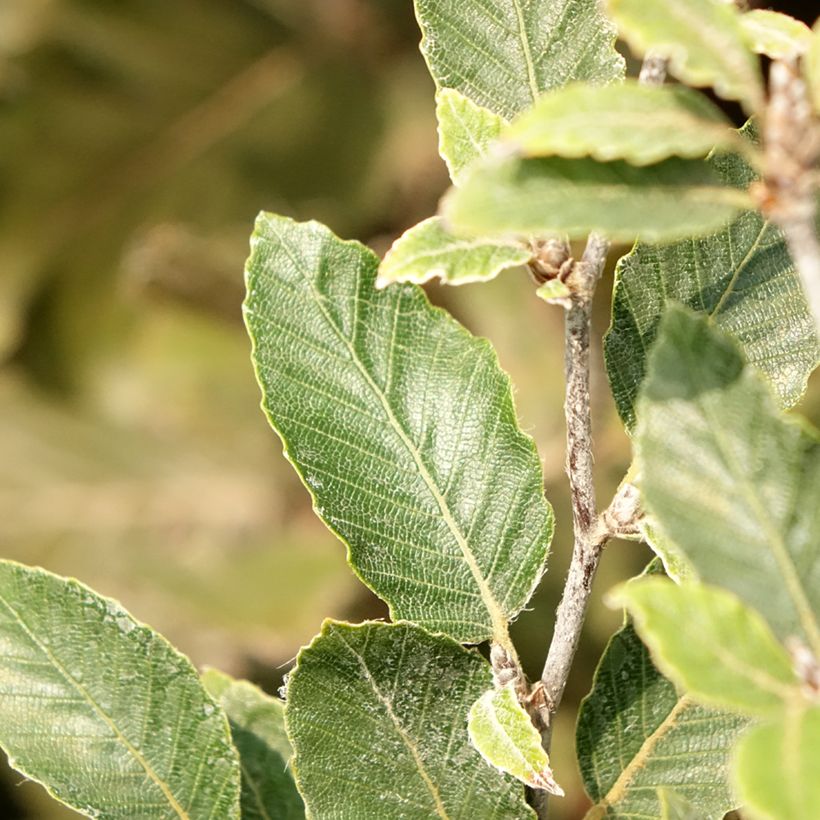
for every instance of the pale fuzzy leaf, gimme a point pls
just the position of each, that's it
(554, 292)
(776, 767)
(734, 484)
(811, 66)
(776, 35)
(638, 123)
(504, 54)
(103, 711)
(503, 732)
(636, 734)
(742, 277)
(378, 719)
(428, 251)
(403, 428)
(465, 131)
(717, 649)
(674, 561)
(675, 807)
(516, 197)
(703, 40)
(257, 724)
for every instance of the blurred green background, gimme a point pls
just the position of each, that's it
(138, 140)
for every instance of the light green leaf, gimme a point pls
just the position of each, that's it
(554, 292)
(702, 39)
(258, 731)
(674, 561)
(712, 645)
(503, 732)
(378, 719)
(402, 426)
(515, 197)
(776, 35)
(428, 251)
(636, 735)
(811, 66)
(675, 807)
(504, 54)
(465, 131)
(727, 478)
(102, 711)
(742, 277)
(638, 123)
(776, 766)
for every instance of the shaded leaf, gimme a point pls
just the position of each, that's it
(504, 54)
(402, 426)
(102, 710)
(429, 251)
(742, 277)
(727, 478)
(712, 645)
(675, 807)
(638, 123)
(702, 39)
(257, 724)
(776, 35)
(465, 130)
(518, 197)
(503, 732)
(636, 735)
(377, 715)
(776, 765)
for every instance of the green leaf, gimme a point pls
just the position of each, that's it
(637, 123)
(742, 277)
(636, 735)
(378, 719)
(504, 54)
(465, 131)
(776, 35)
(104, 712)
(712, 645)
(515, 197)
(675, 564)
(776, 766)
(503, 732)
(403, 428)
(727, 478)
(702, 39)
(257, 724)
(428, 251)
(811, 66)
(675, 807)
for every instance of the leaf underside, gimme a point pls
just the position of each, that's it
(402, 426)
(377, 715)
(742, 277)
(730, 481)
(103, 711)
(637, 735)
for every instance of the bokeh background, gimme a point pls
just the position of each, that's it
(138, 140)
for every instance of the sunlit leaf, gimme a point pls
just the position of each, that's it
(742, 277)
(402, 426)
(102, 710)
(703, 40)
(636, 734)
(776, 766)
(465, 130)
(727, 478)
(638, 123)
(516, 197)
(675, 807)
(378, 719)
(428, 251)
(717, 649)
(504, 54)
(503, 732)
(776, 35)
(257, 724)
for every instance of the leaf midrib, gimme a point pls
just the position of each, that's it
(107, 719)
(497, 617)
